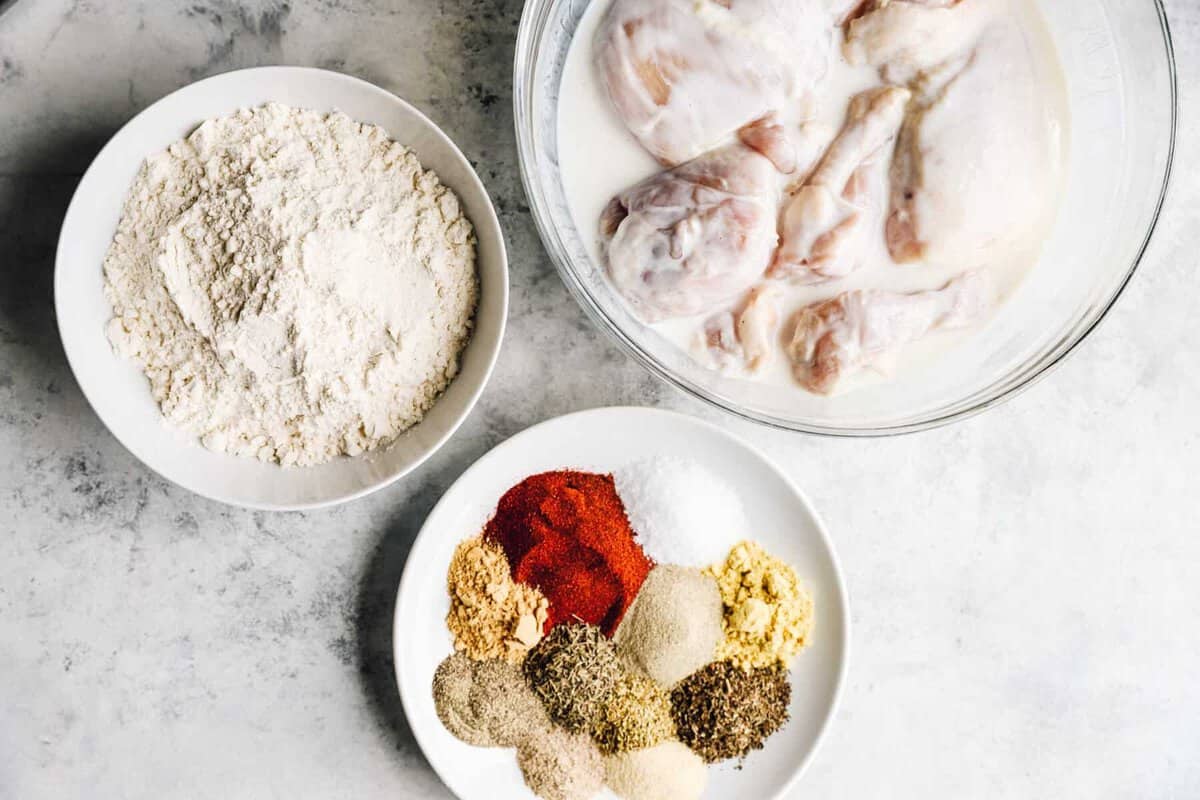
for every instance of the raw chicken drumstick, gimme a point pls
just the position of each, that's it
(698, 235)
(822, 223)
(684, 75)
(865, 328)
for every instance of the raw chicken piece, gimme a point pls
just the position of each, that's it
(975, 172)
(823, 222)
(695, 236)
(846, 10)
(767, 137)
(916, 40)
(975, 176)
(744, 337)
(865, 328)
(684, 75)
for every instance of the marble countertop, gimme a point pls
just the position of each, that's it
(1023, 584)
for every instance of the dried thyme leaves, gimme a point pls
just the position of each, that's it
(574, 670)
(725, 712)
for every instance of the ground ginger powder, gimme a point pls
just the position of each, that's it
(768, 614)
(491, 615)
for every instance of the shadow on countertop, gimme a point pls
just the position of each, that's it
(377, 606)
(376, 601)
(33, 203)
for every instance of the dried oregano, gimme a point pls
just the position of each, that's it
(636, 715)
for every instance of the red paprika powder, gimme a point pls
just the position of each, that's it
(566, 533)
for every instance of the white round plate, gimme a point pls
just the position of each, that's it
(602, 440)
(117, 389)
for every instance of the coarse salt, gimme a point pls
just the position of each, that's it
(681, 512)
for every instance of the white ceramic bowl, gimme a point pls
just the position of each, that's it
(602, 440)
(120, 393)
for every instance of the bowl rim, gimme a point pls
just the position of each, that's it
(75, 209)
(533, 21)
(845, 641)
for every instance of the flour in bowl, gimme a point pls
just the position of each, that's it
(294, 285)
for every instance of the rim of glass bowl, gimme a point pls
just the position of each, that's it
(534, 19)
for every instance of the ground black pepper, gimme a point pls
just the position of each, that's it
(723, 711)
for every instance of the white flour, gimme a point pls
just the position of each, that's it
(293, 284)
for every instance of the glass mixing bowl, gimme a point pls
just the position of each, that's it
(1120, 74)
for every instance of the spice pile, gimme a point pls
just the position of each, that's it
(694, 533)
(769, 615)
(491, 616)
(620, 632)
(567, 534)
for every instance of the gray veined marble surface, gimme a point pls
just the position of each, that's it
(1024, 585)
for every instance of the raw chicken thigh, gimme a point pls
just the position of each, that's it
(684, 75)
(975, 174)
(698, 235)
(866, 328)
(823, 223)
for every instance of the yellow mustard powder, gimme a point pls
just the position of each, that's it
(768, 614)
